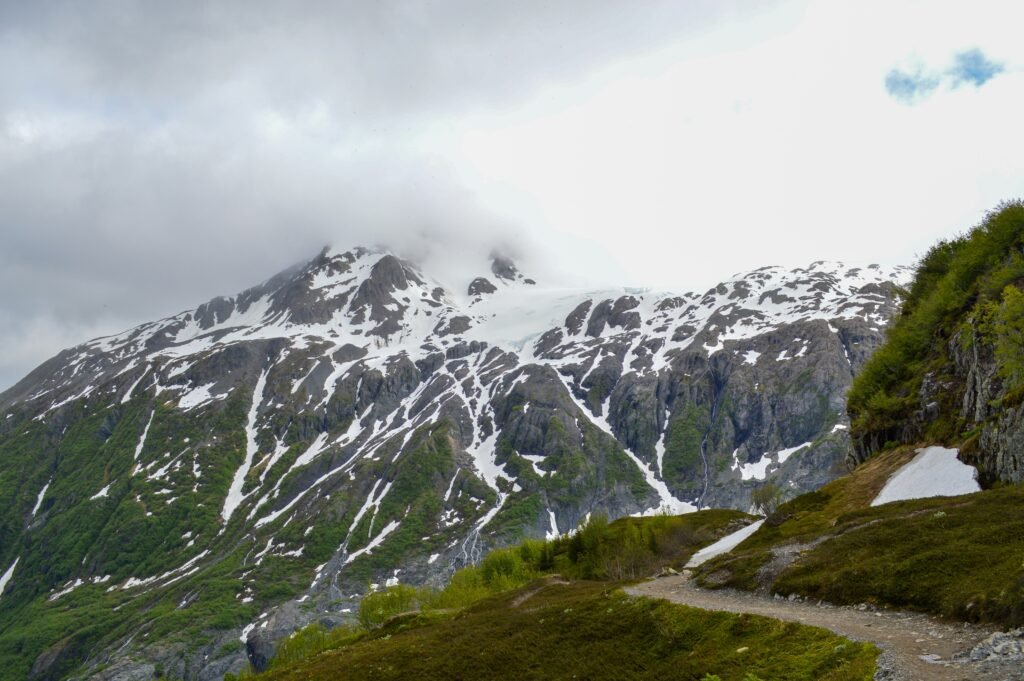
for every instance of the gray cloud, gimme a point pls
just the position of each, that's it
(153, 155)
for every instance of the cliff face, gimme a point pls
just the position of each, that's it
(995, 418)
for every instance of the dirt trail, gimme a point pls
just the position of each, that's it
(915, 647)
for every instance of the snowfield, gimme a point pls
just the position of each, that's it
(934, 472)
(723, 545)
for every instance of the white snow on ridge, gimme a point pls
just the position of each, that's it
(6, 577)
(553, 532)
(377, 541)
(484, 461)
(102, 493)
(758, 470)
(197, 397)
(723, 545)
(71, 586)
(131, 389)
(39, 500)
(142, 439)
(784, 454)
(669, 502)
(185, 570)
(235, 496)
(934, 472)
(535, 461)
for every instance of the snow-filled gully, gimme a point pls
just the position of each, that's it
(235, 497)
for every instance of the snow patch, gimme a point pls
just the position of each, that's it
(377, 541)
(235, 496)
(197, 397)
(553, 532)
(102, 493)
(784, 454)
(39, 500)
(6, 577)
(142, 439)
(758, 470)
(723, 545)
(934, 472)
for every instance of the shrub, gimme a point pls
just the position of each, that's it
(766, 498)
(310, 641)
(380, 606)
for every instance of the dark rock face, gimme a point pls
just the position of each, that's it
(349, 423)
(481, 286)
(1000, 451)
(259, 648)
(504, 268)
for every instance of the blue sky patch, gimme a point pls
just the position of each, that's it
(970, 67)
(909, 87)
(973, 67)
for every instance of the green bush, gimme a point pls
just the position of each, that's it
(379, 606)
(310, 641)
(767, 497)
(1007, 329)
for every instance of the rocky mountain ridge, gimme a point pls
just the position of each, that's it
(352, 421)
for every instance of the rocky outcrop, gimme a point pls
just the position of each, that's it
(999, 454)
(965, 402)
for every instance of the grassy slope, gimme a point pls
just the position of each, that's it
(587, 629)
(590, 630)
(960, 557)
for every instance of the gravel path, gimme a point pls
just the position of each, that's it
(914, 646)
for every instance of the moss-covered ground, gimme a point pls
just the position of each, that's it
(960, 557)
(587, 630)
(510, 618)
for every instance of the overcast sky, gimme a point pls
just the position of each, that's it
(155, 154)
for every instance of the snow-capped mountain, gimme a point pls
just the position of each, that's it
(352, 421)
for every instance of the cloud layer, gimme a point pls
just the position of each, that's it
(153, 155)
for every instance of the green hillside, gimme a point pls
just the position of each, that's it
(962, 321)
(505, 619)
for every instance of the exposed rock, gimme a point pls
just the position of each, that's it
(481, 286)
(504, 268)
(1001, 646)
(259, 648)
